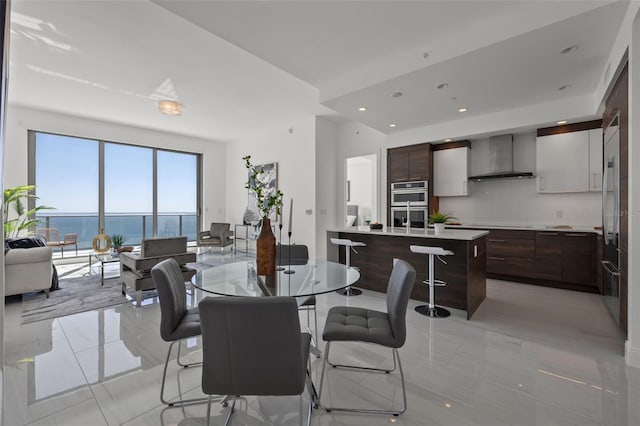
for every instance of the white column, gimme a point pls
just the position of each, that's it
(633, 336)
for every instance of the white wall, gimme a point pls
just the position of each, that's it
(516, 200)
(20, 120)
(293, 148)
(326, 183)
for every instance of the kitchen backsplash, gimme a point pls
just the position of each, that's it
(516, 201)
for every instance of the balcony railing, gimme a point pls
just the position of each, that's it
(134, 227)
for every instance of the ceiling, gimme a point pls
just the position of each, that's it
(239, 67)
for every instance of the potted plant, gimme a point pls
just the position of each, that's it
(268, 201)
(14, 205)
(438, 219)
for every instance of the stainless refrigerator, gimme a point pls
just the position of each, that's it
(611, 217)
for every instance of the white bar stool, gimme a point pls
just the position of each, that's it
(349, 245)
(431, 309)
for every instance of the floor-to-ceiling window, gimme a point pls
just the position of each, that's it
(128, 191)
(67, 177)
(138, 192)
(177, 194)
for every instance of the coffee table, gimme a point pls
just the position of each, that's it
(102, 258)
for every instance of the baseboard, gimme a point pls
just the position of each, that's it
(632, 355)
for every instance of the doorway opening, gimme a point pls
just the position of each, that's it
(361, 194)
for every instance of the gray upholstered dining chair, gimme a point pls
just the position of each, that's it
(352, 324)
(253, 346)
(177, 322)
(298, 254)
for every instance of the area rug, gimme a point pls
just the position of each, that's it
(80, 294)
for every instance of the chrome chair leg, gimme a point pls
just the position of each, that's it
(233, 406)
(164, 379)
(396, 355)
(209, 410)
(185, 365)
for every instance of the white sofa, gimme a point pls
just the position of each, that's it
(27, 269)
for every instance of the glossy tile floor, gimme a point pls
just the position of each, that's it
(530, 356)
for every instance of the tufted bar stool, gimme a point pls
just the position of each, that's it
(349, 245)
(431, 309)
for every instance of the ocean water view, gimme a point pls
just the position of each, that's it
(133, 226)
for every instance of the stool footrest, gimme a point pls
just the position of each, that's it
(437, 283)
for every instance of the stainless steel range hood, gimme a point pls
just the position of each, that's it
(501, 161)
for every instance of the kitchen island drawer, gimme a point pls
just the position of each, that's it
(513, 266)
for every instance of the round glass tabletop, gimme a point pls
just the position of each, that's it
(241, 279)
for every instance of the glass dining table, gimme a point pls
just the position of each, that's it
(241, 279)
(300, 280)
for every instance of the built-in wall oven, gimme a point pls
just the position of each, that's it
(416, 193)
(417, 216)
(410, 204)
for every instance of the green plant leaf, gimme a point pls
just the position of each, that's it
(439, 217)
(21, 219)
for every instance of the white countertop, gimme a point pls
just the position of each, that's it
(449, 234)
(525, 227)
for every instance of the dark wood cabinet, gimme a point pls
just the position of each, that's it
(511, 253)
(553, 258)
(548, 255)
(577, 258)
(398, 166)
(419, 165)
(408, 163)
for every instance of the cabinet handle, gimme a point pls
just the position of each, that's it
(541, 183)
(548, 233)
(464, 186)
(496, 241)
(497, 258)
(595, 180)
(577, 235)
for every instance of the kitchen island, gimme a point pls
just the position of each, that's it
(464, 272)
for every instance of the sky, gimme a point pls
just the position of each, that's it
(67, 177)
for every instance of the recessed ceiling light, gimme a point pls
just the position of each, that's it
(170, 107)
(462, 110)
(565, 87)
(396, 94)
(362, 109)
(448, 140)
(442, 86)
(392, 125)
(569, 49)
(562, 122)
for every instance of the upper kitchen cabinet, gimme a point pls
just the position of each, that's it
(408, 163)
(569, 161)
(595, 160)
(451, 171)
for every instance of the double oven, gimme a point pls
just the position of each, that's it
(410, 204)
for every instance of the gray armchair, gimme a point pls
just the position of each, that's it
(218, 235)
(135, 269)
